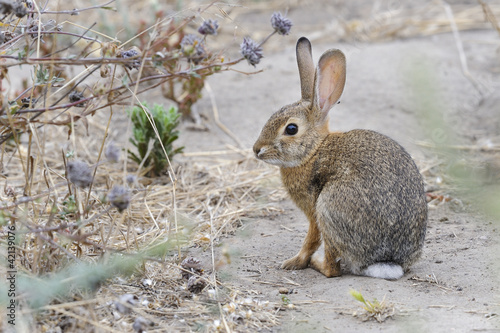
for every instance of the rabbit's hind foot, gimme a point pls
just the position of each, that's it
(329, 267)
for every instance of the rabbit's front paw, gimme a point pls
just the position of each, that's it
(297, 262)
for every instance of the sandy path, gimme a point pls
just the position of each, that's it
(454, 287)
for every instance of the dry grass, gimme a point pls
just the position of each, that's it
(423, 20)
(210, 200)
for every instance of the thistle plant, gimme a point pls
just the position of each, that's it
(79, 173)
(119, 197)
(209, 27)
(281, 24)
(166, 122)
(58, 69)
(172, 57)
(194, 48)
(252, 51)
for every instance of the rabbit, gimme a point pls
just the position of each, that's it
(360, 190)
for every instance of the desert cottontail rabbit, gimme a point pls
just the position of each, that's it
(361, 191)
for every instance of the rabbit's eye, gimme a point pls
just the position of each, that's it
(291, 129)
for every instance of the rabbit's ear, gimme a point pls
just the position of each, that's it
(306, 68)
(330, 80)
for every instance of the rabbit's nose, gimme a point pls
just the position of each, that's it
(257, 149)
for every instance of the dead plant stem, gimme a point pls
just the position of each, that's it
(216, 116)
(459, 45)
(98, 160)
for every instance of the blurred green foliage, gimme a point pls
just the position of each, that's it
(84, 277)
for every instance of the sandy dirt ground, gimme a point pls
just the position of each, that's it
(454, 287)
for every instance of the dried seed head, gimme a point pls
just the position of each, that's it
(209, 27)
(76, 96)
(125, 303)
(193, 48)
(131, 53)
(191, 265)
(105, 70)
(196, 284)
(128, 54)
(6, 7)
(33, 29)
(112, 152)
(5, 36)
(20, 10)
(251, 51)
(141, 324)
(281, 24)
(52, 25)
(173, 300)
(119, 196)
(131, 179)
(109, 49)
(26, 101)
(9, 191)
(79, 173)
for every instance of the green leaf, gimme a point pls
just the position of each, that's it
(285, 300)
(133, 157)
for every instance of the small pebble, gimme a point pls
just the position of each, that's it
(284, 291)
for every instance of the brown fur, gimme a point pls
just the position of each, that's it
(360, 190)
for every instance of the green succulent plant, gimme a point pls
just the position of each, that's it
(166, 122)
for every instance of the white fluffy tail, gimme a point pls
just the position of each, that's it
(383, 270)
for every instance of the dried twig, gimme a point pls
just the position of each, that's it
(488, 13)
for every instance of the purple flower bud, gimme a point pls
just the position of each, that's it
(193, 48)
(131, 53)
(209, 27)
(281, 24)
(251, 51)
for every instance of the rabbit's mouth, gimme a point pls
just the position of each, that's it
(262, 154)
(274, 160)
